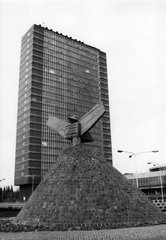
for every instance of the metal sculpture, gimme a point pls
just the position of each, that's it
(77, 130)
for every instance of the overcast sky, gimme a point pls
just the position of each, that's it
(133, 35)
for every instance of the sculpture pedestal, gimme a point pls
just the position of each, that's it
(84, 191)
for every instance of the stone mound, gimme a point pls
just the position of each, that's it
(82, 191)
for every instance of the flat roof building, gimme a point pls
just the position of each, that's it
(152, 183)
(59, 76)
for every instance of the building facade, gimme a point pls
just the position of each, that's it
(152, 184)
(59, 76)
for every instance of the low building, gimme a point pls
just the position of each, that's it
(152, 184)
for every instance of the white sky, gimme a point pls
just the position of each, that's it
(133, 35)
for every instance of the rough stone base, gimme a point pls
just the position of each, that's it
(83, 191)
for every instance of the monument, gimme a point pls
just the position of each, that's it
(83, 191)
(77, 130)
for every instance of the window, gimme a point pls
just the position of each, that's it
(44, 144)
(52, 71)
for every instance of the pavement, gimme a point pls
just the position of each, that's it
(157, 232)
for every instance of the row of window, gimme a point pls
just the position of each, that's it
(68, 53)
(68, 42)
(69, 79)
(67, 60)
(150, 181)
(75, 69)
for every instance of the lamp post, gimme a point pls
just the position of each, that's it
(135, 155)
(2, 189)
(161, 182)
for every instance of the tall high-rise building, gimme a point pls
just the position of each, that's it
(59, 76)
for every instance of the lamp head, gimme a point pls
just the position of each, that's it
(154, 164)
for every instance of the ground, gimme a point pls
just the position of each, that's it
(157, 232)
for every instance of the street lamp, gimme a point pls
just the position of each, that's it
(161, 183)
(135, 155)
(2, 189)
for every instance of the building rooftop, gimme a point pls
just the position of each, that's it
(154, 171)
(66, 36)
